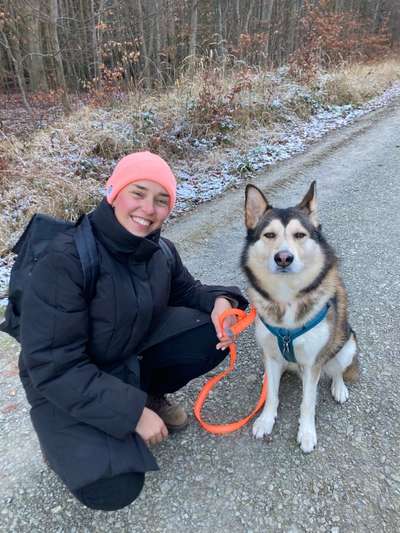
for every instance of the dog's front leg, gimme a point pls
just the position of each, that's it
(307, 436)
(265, 422)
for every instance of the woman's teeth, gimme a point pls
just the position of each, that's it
(141, 221)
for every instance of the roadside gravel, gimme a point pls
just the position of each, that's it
(351, 483)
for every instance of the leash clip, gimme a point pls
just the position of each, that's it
(286, 344)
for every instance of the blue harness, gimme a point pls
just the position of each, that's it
(286, 336)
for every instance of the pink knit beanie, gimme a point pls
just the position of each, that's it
(141, 166)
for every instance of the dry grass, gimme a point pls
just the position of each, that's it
(60, 170)
(357, 83)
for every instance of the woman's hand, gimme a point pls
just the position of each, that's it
(151, 428)
(221, 305)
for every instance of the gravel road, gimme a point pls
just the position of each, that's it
(351, 483)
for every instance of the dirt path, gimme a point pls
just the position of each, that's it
(234, 483)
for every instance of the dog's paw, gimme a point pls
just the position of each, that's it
(339, 391)
(307, 438)
(263, 426)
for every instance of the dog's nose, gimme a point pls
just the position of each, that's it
(283, 259)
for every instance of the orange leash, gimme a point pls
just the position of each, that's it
(244, 321)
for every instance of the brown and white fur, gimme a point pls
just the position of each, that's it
(293, 273)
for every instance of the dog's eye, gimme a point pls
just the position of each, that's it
(270, 235)
(299, 235)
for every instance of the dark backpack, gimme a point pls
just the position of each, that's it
(33, 245)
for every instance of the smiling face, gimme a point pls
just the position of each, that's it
(141, 207)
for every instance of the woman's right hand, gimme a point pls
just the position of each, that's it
(151, 427)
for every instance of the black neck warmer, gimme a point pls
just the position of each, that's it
(118, 240)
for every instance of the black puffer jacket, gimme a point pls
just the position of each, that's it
(78, 362)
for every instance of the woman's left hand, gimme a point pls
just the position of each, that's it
(221, 305)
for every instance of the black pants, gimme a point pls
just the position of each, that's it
(164, 368)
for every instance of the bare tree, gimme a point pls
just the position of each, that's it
(248, 16)
(394, 21)
(220, 30)
(96, 48)
(34, 63)
(55, 47)
(145, 56)
(193, 30)
(63, 43)
(11, 42)
(238, 18)
(17, 64)
(266, 16)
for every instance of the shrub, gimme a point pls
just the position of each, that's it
(330, 38)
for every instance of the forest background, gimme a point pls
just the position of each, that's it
(208, 84)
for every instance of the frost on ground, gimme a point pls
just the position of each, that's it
(5, 267)
(204, 184)
(198, 182)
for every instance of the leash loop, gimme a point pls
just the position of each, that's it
(243, 321)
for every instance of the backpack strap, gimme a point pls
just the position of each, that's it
(87, 250)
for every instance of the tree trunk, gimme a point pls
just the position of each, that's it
(16, 62)
(34, 65)
(4, 59)
(339, 6)
(248, 17)
(193, 31)
(84, 39)
(238, 19)
(55, 48)
(171, 44)
(156, 37)
(394, 22)
(268, 7)
(146, 63)
(95, 47)
(292, 30)
(220, 31)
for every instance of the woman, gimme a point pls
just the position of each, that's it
(96, 373)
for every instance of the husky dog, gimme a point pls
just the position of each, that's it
(301, 306)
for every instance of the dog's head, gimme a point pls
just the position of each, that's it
(284, 243)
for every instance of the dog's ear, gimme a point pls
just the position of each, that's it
(255, 206)
(309, 204)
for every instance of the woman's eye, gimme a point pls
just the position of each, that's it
(163, 203)
(299, 235)
(270, 235)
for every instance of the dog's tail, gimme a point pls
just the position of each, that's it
(352, 372)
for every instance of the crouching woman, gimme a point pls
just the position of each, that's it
(96, 373)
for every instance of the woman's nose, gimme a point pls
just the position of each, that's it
(148, 206)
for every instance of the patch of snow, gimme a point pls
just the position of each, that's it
(5, 267)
